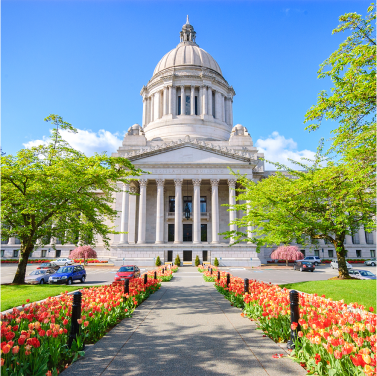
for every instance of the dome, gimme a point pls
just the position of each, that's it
(187, 53)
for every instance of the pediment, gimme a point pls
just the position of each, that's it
(194, 151)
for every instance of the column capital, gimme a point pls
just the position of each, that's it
(178, 182)
(133, 189)
(143, 182)
(215, 182)
(196, 182)
(232, 183)
(160, 182)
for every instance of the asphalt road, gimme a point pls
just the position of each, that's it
(104, 275)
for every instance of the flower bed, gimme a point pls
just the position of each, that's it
(208, 277)
(34, 341)
(30, 261)
(90, 261)
(332, 339)
(203, 268)
(163, 274)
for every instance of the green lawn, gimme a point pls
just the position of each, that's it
(351, 291)
(13, 296)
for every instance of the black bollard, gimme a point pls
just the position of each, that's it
(227, 280)
(155, 275)
(76, 315)
(145, 278)
(210, 271)
(163, 271)
(245, 285)
(126, 288)
(295, 316)
(218, 276)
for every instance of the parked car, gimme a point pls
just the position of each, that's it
(371, 262)
(39, 276)
(334, 264)
(127, 272)
(48, 265)
(361, 274)
(303, 266)
(68, 274)
(62, 261)
(314, 259)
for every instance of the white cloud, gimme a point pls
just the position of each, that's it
(86, 141)
(277, 148)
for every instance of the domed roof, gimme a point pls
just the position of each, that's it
(187, 53)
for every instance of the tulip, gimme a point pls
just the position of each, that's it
(15, 349)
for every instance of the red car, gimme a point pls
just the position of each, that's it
(127, 272)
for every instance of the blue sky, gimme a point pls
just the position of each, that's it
(88, 60)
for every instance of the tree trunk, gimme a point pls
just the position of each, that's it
(341, 254)
(286, 262)
(19, 277)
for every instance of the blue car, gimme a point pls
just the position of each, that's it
(68, 274)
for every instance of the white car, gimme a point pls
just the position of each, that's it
(313, 259)
(371, 262)
(62, 261)
(334, 265)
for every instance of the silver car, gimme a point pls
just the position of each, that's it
(62, 261)
(361, 274)
(371, 262)
(39, 276)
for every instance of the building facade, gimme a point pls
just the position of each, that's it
(187, 143)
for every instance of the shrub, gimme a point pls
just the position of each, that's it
(216, 262)
(158, 261)
(84, 252)
(197, 261)
(177, 261)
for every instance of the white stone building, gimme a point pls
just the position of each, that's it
(187, 142)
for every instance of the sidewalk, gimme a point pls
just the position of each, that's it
(186, 328)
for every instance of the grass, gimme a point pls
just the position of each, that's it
(351, 291)
(14, 296)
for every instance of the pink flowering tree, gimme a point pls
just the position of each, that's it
(287, 253)
(84, 252)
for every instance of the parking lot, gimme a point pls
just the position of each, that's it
(99, 275)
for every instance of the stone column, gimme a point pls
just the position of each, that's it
(124, 213)
(165, 102)
(132, 215)
(151, 112)
(178, 228)
(192, 100)
(197, 238)
(218, 107)
(231, 112)
(249, 228)
(12, 240)
(362, 237)
(204, 102)
(160, 211)
(142, 211)
(215, 210)
(173, 103)
(210, 101)
(144, 111)
(232, 202)
(156, 115)
(170, 98)
(200, 100)
(348, 239)
(183, 101)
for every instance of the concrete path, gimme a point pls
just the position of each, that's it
(186, 328)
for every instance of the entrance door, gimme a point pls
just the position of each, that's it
(205, 256)
(170, 256)
(187, 256)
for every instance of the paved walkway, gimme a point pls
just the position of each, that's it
(186, 328)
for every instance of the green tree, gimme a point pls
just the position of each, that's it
(197, 261)
(158, 261)
(216, 262)
(319, 203)
(177, 261)
(55, 191)
(352, 101)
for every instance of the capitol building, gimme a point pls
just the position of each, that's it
(187, 142)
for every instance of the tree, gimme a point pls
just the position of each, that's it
(177, 261)
(287, 253)
(319, 203)
(158, 261)
(352, 102)
(216, 262)
(53, 190)
(197, 261)
(86, 252)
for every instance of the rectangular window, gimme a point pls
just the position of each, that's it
(372, 253)
(213, 104)
(2, 253)
(179, 105)
(4, 240)
(205, 255)
(203, 232)
(170, 256)
(358, 252)
(187, 200)
(369, 237)
(187, 232)
(316, 252)
(196, 105)
(58, 241)
(171, 204)
(58, 253)
(303, 252)
(203, 204)
(188, 105)
(44, 253)
(326, 241)
(331, 253)
(18, 241)
(346, 255)
(170, 232)
(15, 253)
(355, 238)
